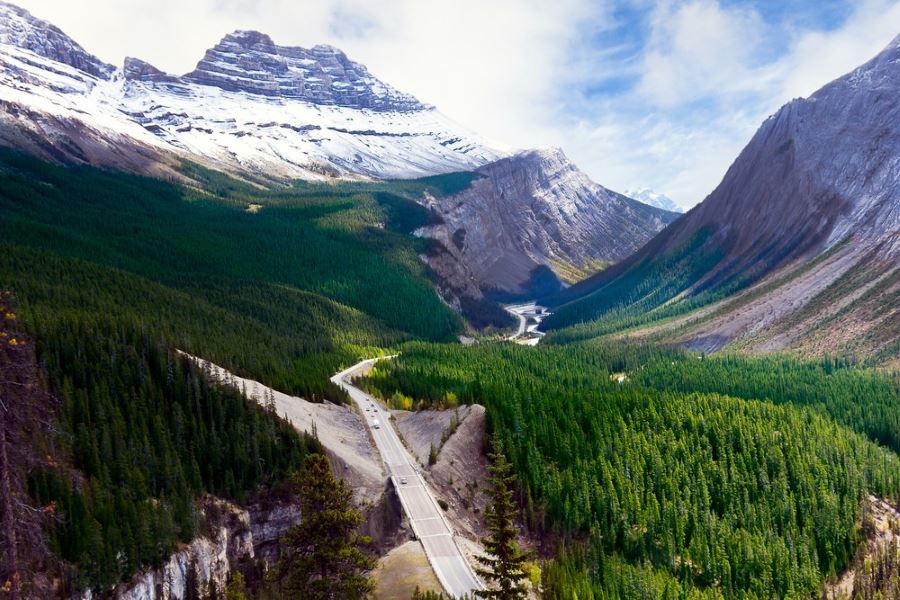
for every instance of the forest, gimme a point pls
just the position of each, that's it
(649, 472)
(315, 277)
(728, 478)
(114, 274)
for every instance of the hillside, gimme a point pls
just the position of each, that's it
(532, 222)
(281, 292)
(647, 469)
(806, 221)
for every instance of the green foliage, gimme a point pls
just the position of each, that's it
(683, 490)
(613, 301)
(503, 564)
(879, 576)
(236, 588)
(147, 429)
(322, 556)
(864, 400)
(287, 294)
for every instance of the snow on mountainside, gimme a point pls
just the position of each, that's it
(249, 106)
(533, 213)
(248, 61)
(651, 198)
(18, 28)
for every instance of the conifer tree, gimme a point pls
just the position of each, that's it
(322, 557)
(504, 565)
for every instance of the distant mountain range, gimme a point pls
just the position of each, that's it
(799, 245)
(270, 113)
(648, 196)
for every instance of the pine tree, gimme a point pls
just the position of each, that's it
(504, 565)
(322, 557)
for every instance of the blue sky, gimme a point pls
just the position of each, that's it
(639, 93)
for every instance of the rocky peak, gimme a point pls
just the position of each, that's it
(534, 216)
(249, 61)
(21, 29)
(651, 198)
(137, 70)
(248, 40)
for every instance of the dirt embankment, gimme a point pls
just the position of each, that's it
(459, 475)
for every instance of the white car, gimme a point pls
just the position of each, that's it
(403, 481)
(376, 424)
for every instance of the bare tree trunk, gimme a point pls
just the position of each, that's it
(9, 529)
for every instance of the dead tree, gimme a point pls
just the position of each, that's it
(26, 413)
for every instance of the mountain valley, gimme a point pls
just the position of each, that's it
(275, 329)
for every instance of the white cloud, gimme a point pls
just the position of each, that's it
(706, 81)
(699, 49)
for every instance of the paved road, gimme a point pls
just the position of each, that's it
(524, 312)
(427, 518)
(517, 311)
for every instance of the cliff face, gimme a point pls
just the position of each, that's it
(249, 61)
(809, 213)
(531, 214)
(233, 535)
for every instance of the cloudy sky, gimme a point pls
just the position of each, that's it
(659, 94)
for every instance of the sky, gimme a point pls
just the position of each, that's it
(638, 93)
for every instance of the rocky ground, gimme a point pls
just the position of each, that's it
(884, 527)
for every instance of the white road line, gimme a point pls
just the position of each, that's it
(447, 560)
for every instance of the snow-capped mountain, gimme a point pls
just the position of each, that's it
(533, 213)
(250, 106)
(648, 196)
(808, 216)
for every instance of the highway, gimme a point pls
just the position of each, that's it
(525, 334)
(426, 517)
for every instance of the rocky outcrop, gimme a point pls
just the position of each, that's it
(137, 70)
(249, 61)
(202, 566)
(20, 29)
(531, 214)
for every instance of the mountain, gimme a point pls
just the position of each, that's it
(250, 108)
(531, 220)
(801, 238)
(264, 112)
(648, 196)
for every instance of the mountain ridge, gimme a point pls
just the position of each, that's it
(250, 108)
(533, 220)
(811, 203)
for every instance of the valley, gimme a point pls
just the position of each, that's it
(273, 328)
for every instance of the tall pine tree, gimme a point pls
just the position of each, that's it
(503, 568)
(322, 557)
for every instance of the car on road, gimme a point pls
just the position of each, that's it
(403, 481)
(376, 424)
